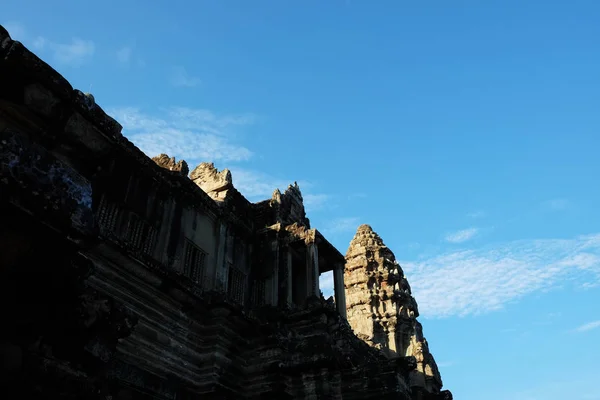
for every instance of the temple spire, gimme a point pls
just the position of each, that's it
(381, 309)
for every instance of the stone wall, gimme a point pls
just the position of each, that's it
(125, 278)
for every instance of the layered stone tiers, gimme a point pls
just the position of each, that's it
(126, 277)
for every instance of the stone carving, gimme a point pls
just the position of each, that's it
(290, 206)
(381, 308)
(30, 173)
(214, 182)
(171, 164)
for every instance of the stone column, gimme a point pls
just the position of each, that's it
(166, 226)
(289, 282)
(392, 340)
(338, 285)
(221, 267)
(275, 276)
(312, 267)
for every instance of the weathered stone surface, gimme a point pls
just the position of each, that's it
(30, 175)
(85, 103)
(289, 206)
(21, 62)
(382, 310)
(171, 164)
(42, 101)
(214, 182)
(86, 134)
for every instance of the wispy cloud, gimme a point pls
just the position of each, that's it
(313, 202)
(256, 185)
(588, 327)
(197, 135)
(73, 53)
(191, 118)
(483, 280)
(476, 214)
(446, 364)
(591, 285)
(180, 78)
(341, 225)
(462, 235)
(193, 139)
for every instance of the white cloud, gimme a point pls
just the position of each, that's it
(197, 135)
(591, 285)
(191, 118)
(190, 139)
(462, 235)
(74, 53)
(479, 281)
(256, 185)
(341, 225)
(180, 78)
(314, 202)
(588, 327)
(445, 364)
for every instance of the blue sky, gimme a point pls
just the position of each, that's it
(464, 132)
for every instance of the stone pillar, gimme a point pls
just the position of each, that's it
(289, 282)
(392, 340)
(221, 267)
(166, 226)
(338, 285)
(312, 269)
(274, 298)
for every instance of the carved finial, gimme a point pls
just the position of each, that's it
(364, 228)
(213, 182)
(170, 163)
(276, 196)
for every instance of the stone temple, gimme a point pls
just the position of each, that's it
(125, 277)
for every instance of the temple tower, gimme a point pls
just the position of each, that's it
(382, 311)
